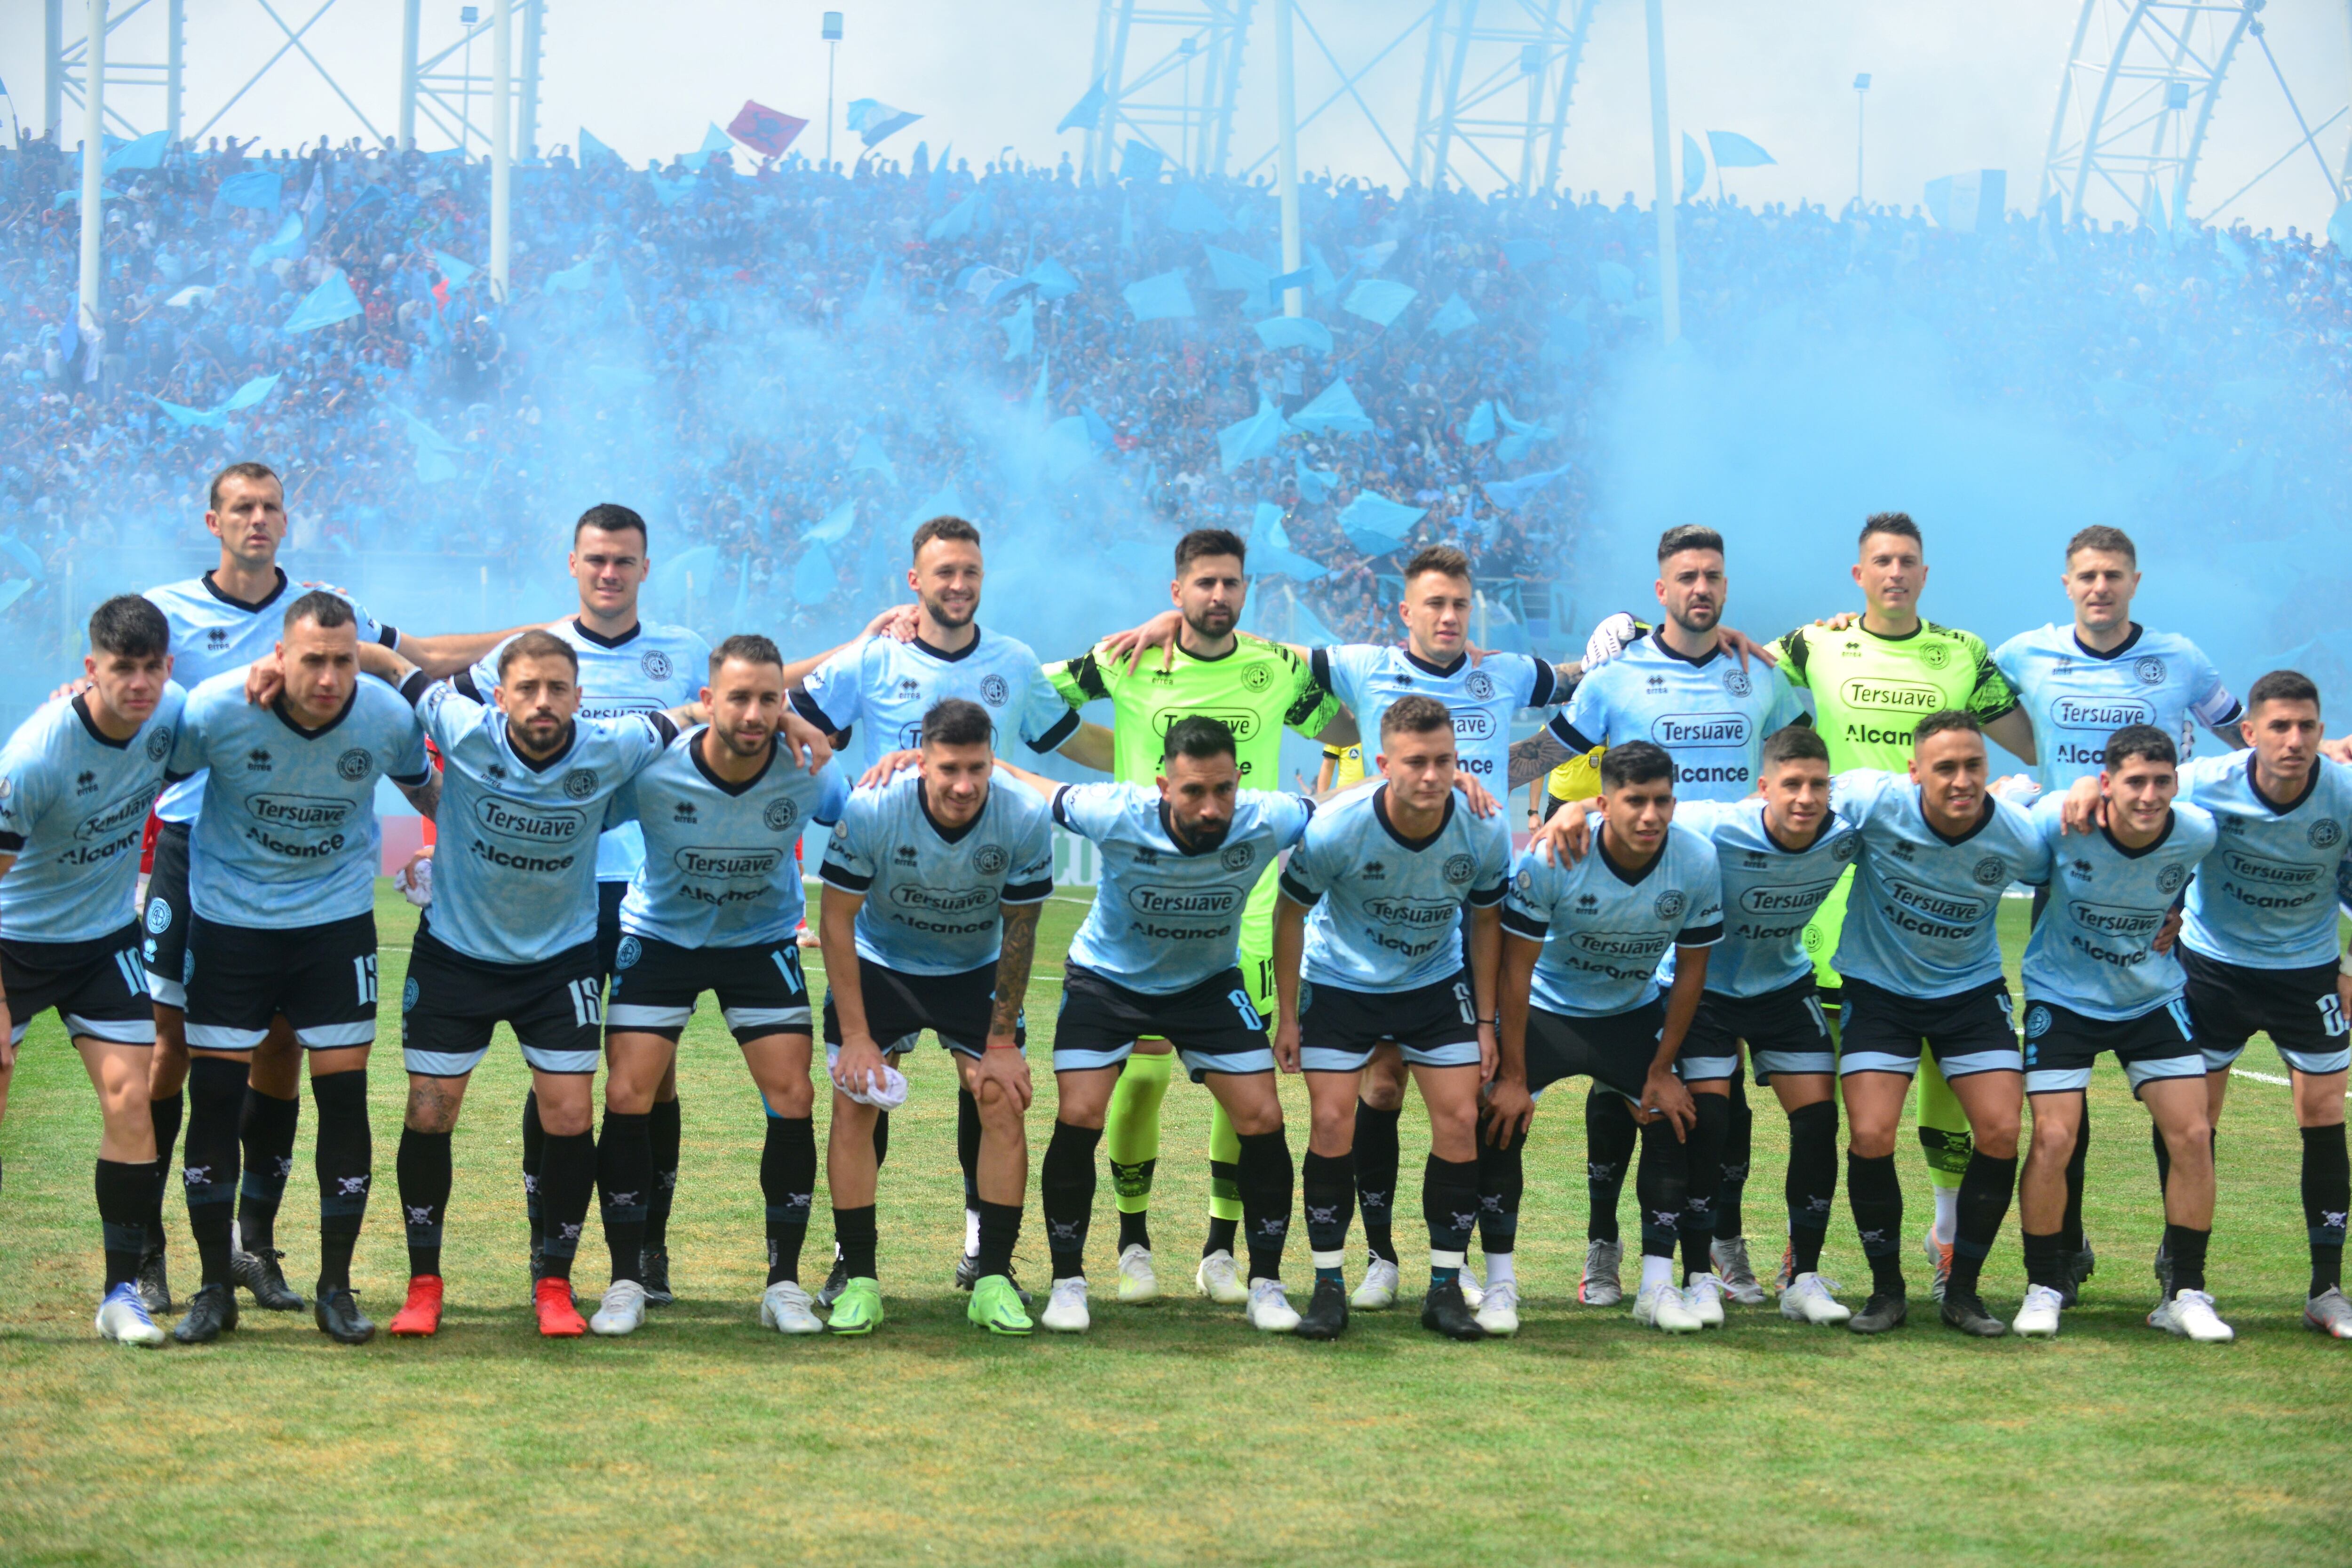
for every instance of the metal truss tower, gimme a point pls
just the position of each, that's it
(1170, 74)
(1496, 84)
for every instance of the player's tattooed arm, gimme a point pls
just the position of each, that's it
(425, 797)
(1002, 1069)
(1536, 755)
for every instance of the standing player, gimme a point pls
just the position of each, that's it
(1920, 952)
(2095, 982)
(933, 883)
(76, 781)
(281, 874)
(1871, 684)
(1158, 958)
(1370, 921)
(1581, 948)
(713, 906)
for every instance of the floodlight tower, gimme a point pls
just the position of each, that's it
(1480, 58)
(66, 62)
(1196, 137)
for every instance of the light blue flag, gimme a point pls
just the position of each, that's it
(1451, 316)
(1694, 166)
(1512, 494)
(1037, 394)
(1054, 281)
(1615, 279)
(572, 280)
(434, 468)
(331, 301)
(1375, 524)
(869, 458)
(2339, 228)
(1481, 428)
(1315, 484)
(1234, 273)
(1069, 447)
(1336, 410)
(1138, 161)
(251, 392)
(1086, 112)
(1158, 299)
(1378, 300)
(422, 437)
(1326, 284)
(1523, 254)
(592, 151)
(714, 141)
(187, 417)
(253, 188)
(1098, 430)
(1295, 333)
(956, 221)
(1193, 213)
(1270, 553)
(945, 501)
(1524, 435)
(147, 153)
(813, 579)
(24, 556)
(1021, 331)
(873, 120)
(458, 272)
(669, 193)
(1256, 436)
(1733, 150)
(1266, 526)
(286, 244)
(1369, 258)
(1127, 223)
(835, 526)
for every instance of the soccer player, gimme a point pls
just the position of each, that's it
(2258, 948)
(1253, 689)
(713, 907)
(76, 781)
(1872, 681)
(933, 883)
(1920, 952)
(281, 874)
(1581, 948)
(1157, 958)
(1371, 922)
(2095, 982)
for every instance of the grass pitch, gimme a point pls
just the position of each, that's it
(1172, 1433)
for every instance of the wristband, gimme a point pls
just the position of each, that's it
(2343, 966)
(1008, 1045)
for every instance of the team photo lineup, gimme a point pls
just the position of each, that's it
(1746, 865)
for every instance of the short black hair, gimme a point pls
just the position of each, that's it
(2140, 741)
(130, 628)
(241, 471)
(1636, 762)
(957, 722)
(1414, 714)
(1208, 542)
(536, 644)
(2099, 536)
(1897, 523)
(323, 610)
(1944, 721)
(1793, 743)
(1441, 558)
(1197, 736)
(748, 647)
(945, 526)
(612, 518)
(1689, 536)
(2283, 686)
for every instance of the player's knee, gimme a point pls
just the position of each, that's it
(432, 1105)
(1253, 1116)
(1871, 1140)
(794, 1101)
(1333, 1128)
(1996, 1137)
(1454, 1127)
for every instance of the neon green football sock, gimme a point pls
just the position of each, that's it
(1944, 1137)
(1131, 1130)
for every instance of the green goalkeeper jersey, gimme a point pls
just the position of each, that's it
(1871, 691)
(1256, 689)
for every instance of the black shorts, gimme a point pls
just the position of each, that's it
(1213, 1026)
(1785, 1031)
(1970, 1031)
(164, 951)
(656, 982)
(608, 925)
(1614, 1050)
(900, 1006)
(556, 1009)
(2061, 1044)
(321, 977)
(2298, 1009)
(1435, 1026)
(96, 987)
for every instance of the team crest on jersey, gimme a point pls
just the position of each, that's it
(408, 995)
(2150, 670)
(994, 692)
(1735, 681)
(1842, 849)
(353, 764)
(158, 744)
(2037, 1021)
(1934, 656)
(780, 814)
(1671, 904)
(1458, 869)
(990, 859)
(580, 783)
(1524, 883)
(159, 916)
(1993, 871)
(655, 663)
(2172, 878)
(1237, 856)
(630, 951)
(1480, 685)
(2326, 833)
(1257, 676)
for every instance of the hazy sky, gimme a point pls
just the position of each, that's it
(1957, 86)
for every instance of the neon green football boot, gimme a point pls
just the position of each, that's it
(997, 1307)
(858, 1309)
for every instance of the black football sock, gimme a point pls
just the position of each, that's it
(2070, 1228)
(1066, 1191)
(1738, 1145)
(2186, 1249)
(1266, 1181)
(662, 1139)
(166, 1114)
(215, 1108)
(881, 1139)
(123, 1186)
(624, 1172)
(1703, 1167)
(422, 1168)
(2327, 1195)
(788, 1183)
(1225, 1183)
(1662, 1188)
(1502, 1177)
(1376, 1176)
(567, 1179)
(2163, 1157)
(1449, 1204)
(1985, 1188)
(1134, 1230)
(1610, 1136)
(267, 1135)
(853, 1232)
(534, 1150)
(2045, 1260)
(1874, 1190)
(345, 1164)
(1812, 1186)
(1326, 1191)
(1000, 1230)
(968, 1153)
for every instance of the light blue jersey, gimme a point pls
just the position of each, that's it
(1387, 910)
(650, 670)
(1605, 931)
(1922, 920)
(212, 633)
(288, 835)
(73, 808)
(933, 894)
(1482, 697)
(1166, 918)
(1770, 893)
(2090, 950)
(2077, 699)
(1710, 714)
(514, 878)
(2265, 897)
(883, 687)
(719, 870)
